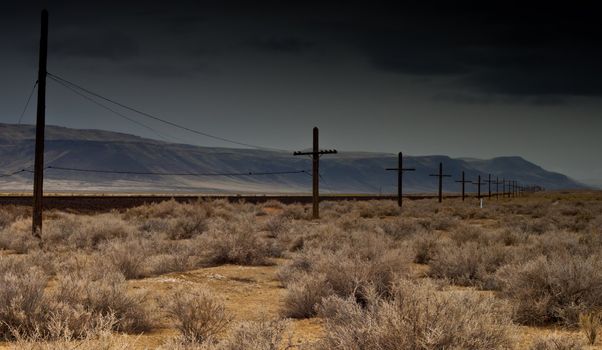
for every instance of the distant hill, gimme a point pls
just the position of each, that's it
(349, 172)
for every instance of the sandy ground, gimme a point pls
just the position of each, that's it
(254, 292)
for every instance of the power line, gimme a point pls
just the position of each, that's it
(33, 89)
(112, 110)
(249, 173)
(57, 78)
(16, 172)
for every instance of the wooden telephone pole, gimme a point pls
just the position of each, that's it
(479, 184)
(497, 187)
(440, 176)
(316, 153)
(463, 186)
(38, 179)
(489, 182)
(400, 169)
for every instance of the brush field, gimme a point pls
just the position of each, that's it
(521, 273)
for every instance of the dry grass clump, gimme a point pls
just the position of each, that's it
(590, 323)
(426, 247)
(258, 335)
(556, 342)
(440, 222)
(417, 317)
(77, 308)
(348, 272)
(22, 304)
(237, 241)
(470, 264)
(199, 316)
(375, 209)
(17, 237)
(401, 228)
(105, 293)
(12, 213)
(553, 289)
(296, 212)
(128, 257)
(86, 232)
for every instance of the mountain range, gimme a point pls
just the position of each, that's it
(345, 172)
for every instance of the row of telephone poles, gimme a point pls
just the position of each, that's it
(514, 188)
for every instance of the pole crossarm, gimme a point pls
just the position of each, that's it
(440, 175)
(479, 183)
(463, 182)
(315, 154)
(319, 153)
(400, 170)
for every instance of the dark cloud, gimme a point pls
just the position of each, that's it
(486, 48)
(114, 46)
(283, 44)
(531, 52)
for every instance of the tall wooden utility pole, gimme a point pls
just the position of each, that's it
(400, 169)
(488, 181)
(463, 185)
(478, 184)
(497, 187)
(440, 176)
(38, 179)
(316, 153)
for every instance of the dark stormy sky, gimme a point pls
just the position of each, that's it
(461, 79)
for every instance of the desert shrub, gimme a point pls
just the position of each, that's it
(86, 232)
(236, 242)
(172, 256)
(199, 316)
(185, 227)
(372, 209)
(272, 203)
(401, 228)
(295, 212)
(556, 342)
(258, 335)
(128, 257)
(98, 336)
(465, 233)
(536, 226)
(346, 273)
(553, 289)
(470, 264)
(425, 247)
(417, 317)
(560, 242)
(438, 222)
(105, 293)
(304, 294)
(22, 306)
(19, 240)
(276, 226)
(11, 213)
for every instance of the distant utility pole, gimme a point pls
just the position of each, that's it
(479, 184)
(497, 187)
(510, 188)
(440, 176)
(488, 181)
(463, 183)
(400, 169)
(316, 153)
(38, 178)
